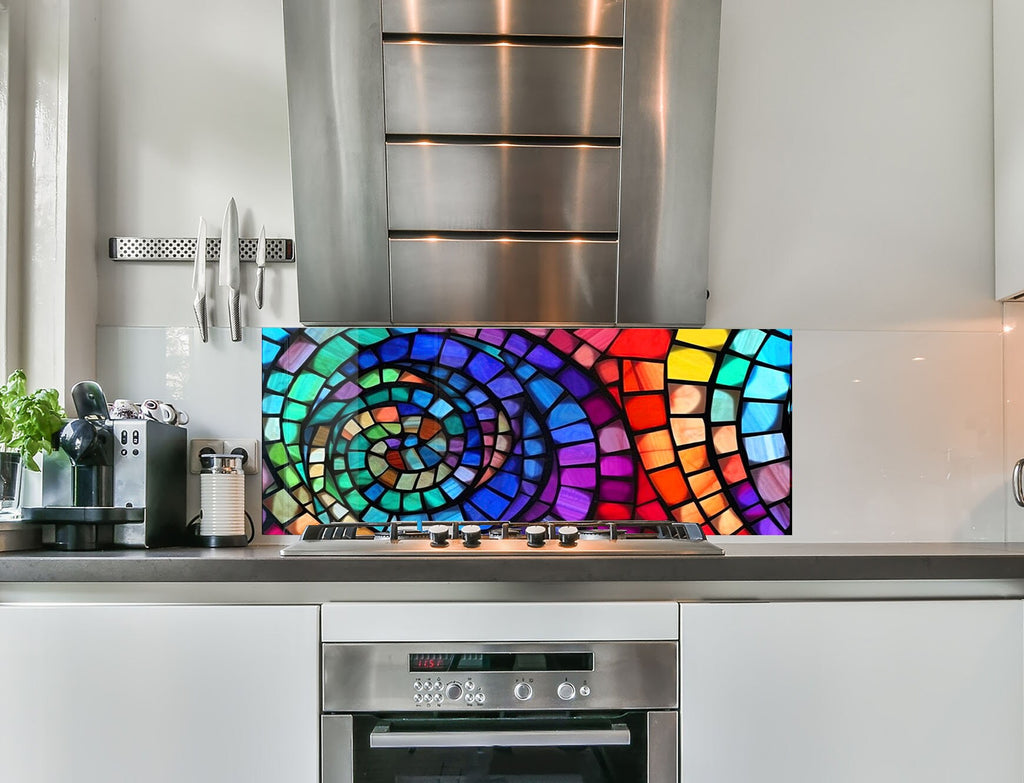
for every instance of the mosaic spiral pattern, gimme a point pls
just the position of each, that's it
(372, 425)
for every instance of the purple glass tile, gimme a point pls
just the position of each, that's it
(578, 454)
(296, 354)
(585, 478)
(617, 466)
(454, 353)
(600, 410)
(743, 494)
(617, 491)
(766, 527)
(613, 438)
(572, 504)
(546, 360)
(517, 344)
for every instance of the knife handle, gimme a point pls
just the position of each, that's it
(235, 317)
(258, 293)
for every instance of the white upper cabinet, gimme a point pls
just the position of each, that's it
(1008, 129)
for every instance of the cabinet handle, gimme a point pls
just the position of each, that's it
(1018, 487)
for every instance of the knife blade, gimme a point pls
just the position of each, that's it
(229, 276)
(199, 282)
(261, 262)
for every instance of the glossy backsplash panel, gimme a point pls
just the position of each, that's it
(370, 425)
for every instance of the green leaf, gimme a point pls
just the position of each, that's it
(28, 421)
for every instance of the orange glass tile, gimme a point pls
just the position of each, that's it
(724, 439)
(732, 469)
(687, 398)
(642, 376)
(646, 411)
(688, 513)
(727, 522)
(297, 526)
(655, 449)
(694, 459)
(388, 413)
(429, 428)
(688, 430)
(670, 486)
(715, 504)
(703, 484)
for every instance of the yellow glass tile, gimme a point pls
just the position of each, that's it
(709, 338)
(655, 449)
(686, 398)
(687, 430)
(690, 364)
(725, 439)
(316, 469)
(727, 523)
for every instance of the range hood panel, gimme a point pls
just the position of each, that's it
(579, 132)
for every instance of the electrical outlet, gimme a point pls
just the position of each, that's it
(198, 446)
(250, 451)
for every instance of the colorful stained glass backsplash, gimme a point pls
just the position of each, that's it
(483, 424)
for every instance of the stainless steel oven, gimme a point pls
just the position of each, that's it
(533, 712)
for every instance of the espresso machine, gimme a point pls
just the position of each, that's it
(114, 482)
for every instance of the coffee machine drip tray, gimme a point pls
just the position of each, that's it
(79, 528)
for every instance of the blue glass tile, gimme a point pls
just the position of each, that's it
(767, 383)
(760, 417)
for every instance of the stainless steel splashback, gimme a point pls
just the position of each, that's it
(502, 161)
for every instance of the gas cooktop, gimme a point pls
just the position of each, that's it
(605, 538)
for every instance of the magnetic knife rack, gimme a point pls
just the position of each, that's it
(279, 251)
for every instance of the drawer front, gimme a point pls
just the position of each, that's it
(495, 281)
(502, 187)
(502, 89)
(592, 18)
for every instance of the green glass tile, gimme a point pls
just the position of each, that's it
(366, 337)
(279, 381)
(295, 411)
(332, 354)
(724, 405)
(277, 454)
(733, 371)
(412, 504)
(434, 498)
(406, 482)
(306, 387)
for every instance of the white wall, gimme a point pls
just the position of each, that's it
(852, 202)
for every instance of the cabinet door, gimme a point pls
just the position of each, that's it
(852, 692)
(1008, 131)
(204, 694)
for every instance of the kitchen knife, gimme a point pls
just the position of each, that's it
(261, 262)
(199, 282)
(229, 276)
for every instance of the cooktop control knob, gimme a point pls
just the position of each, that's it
(453, 691)
(471, 535)
(568, 535)
(523, 691)
(438, 535)
(566, 691)
(535, 535)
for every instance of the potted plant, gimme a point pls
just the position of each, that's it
(28, 423)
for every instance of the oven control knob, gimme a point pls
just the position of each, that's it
(453, 691)
(535, 535)
(584, 690)
(566, 691)
(438, 535)
(471, 535)
(568, 535)
(522, 691)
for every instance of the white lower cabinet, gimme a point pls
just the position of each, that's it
(857, 692)
(160, 694)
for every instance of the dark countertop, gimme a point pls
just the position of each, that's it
(753, 561)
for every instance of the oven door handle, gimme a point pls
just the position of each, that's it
(383, 737)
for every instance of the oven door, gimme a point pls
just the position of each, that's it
(630, 747)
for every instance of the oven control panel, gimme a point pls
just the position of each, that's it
(520, 676)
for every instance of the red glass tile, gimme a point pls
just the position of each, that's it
(600, 338)
(642, 343)
(614, 511)
(563, 341)
(732, 469)
(646, 411)
(608, 371)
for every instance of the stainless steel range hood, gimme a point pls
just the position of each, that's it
(502, 161)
